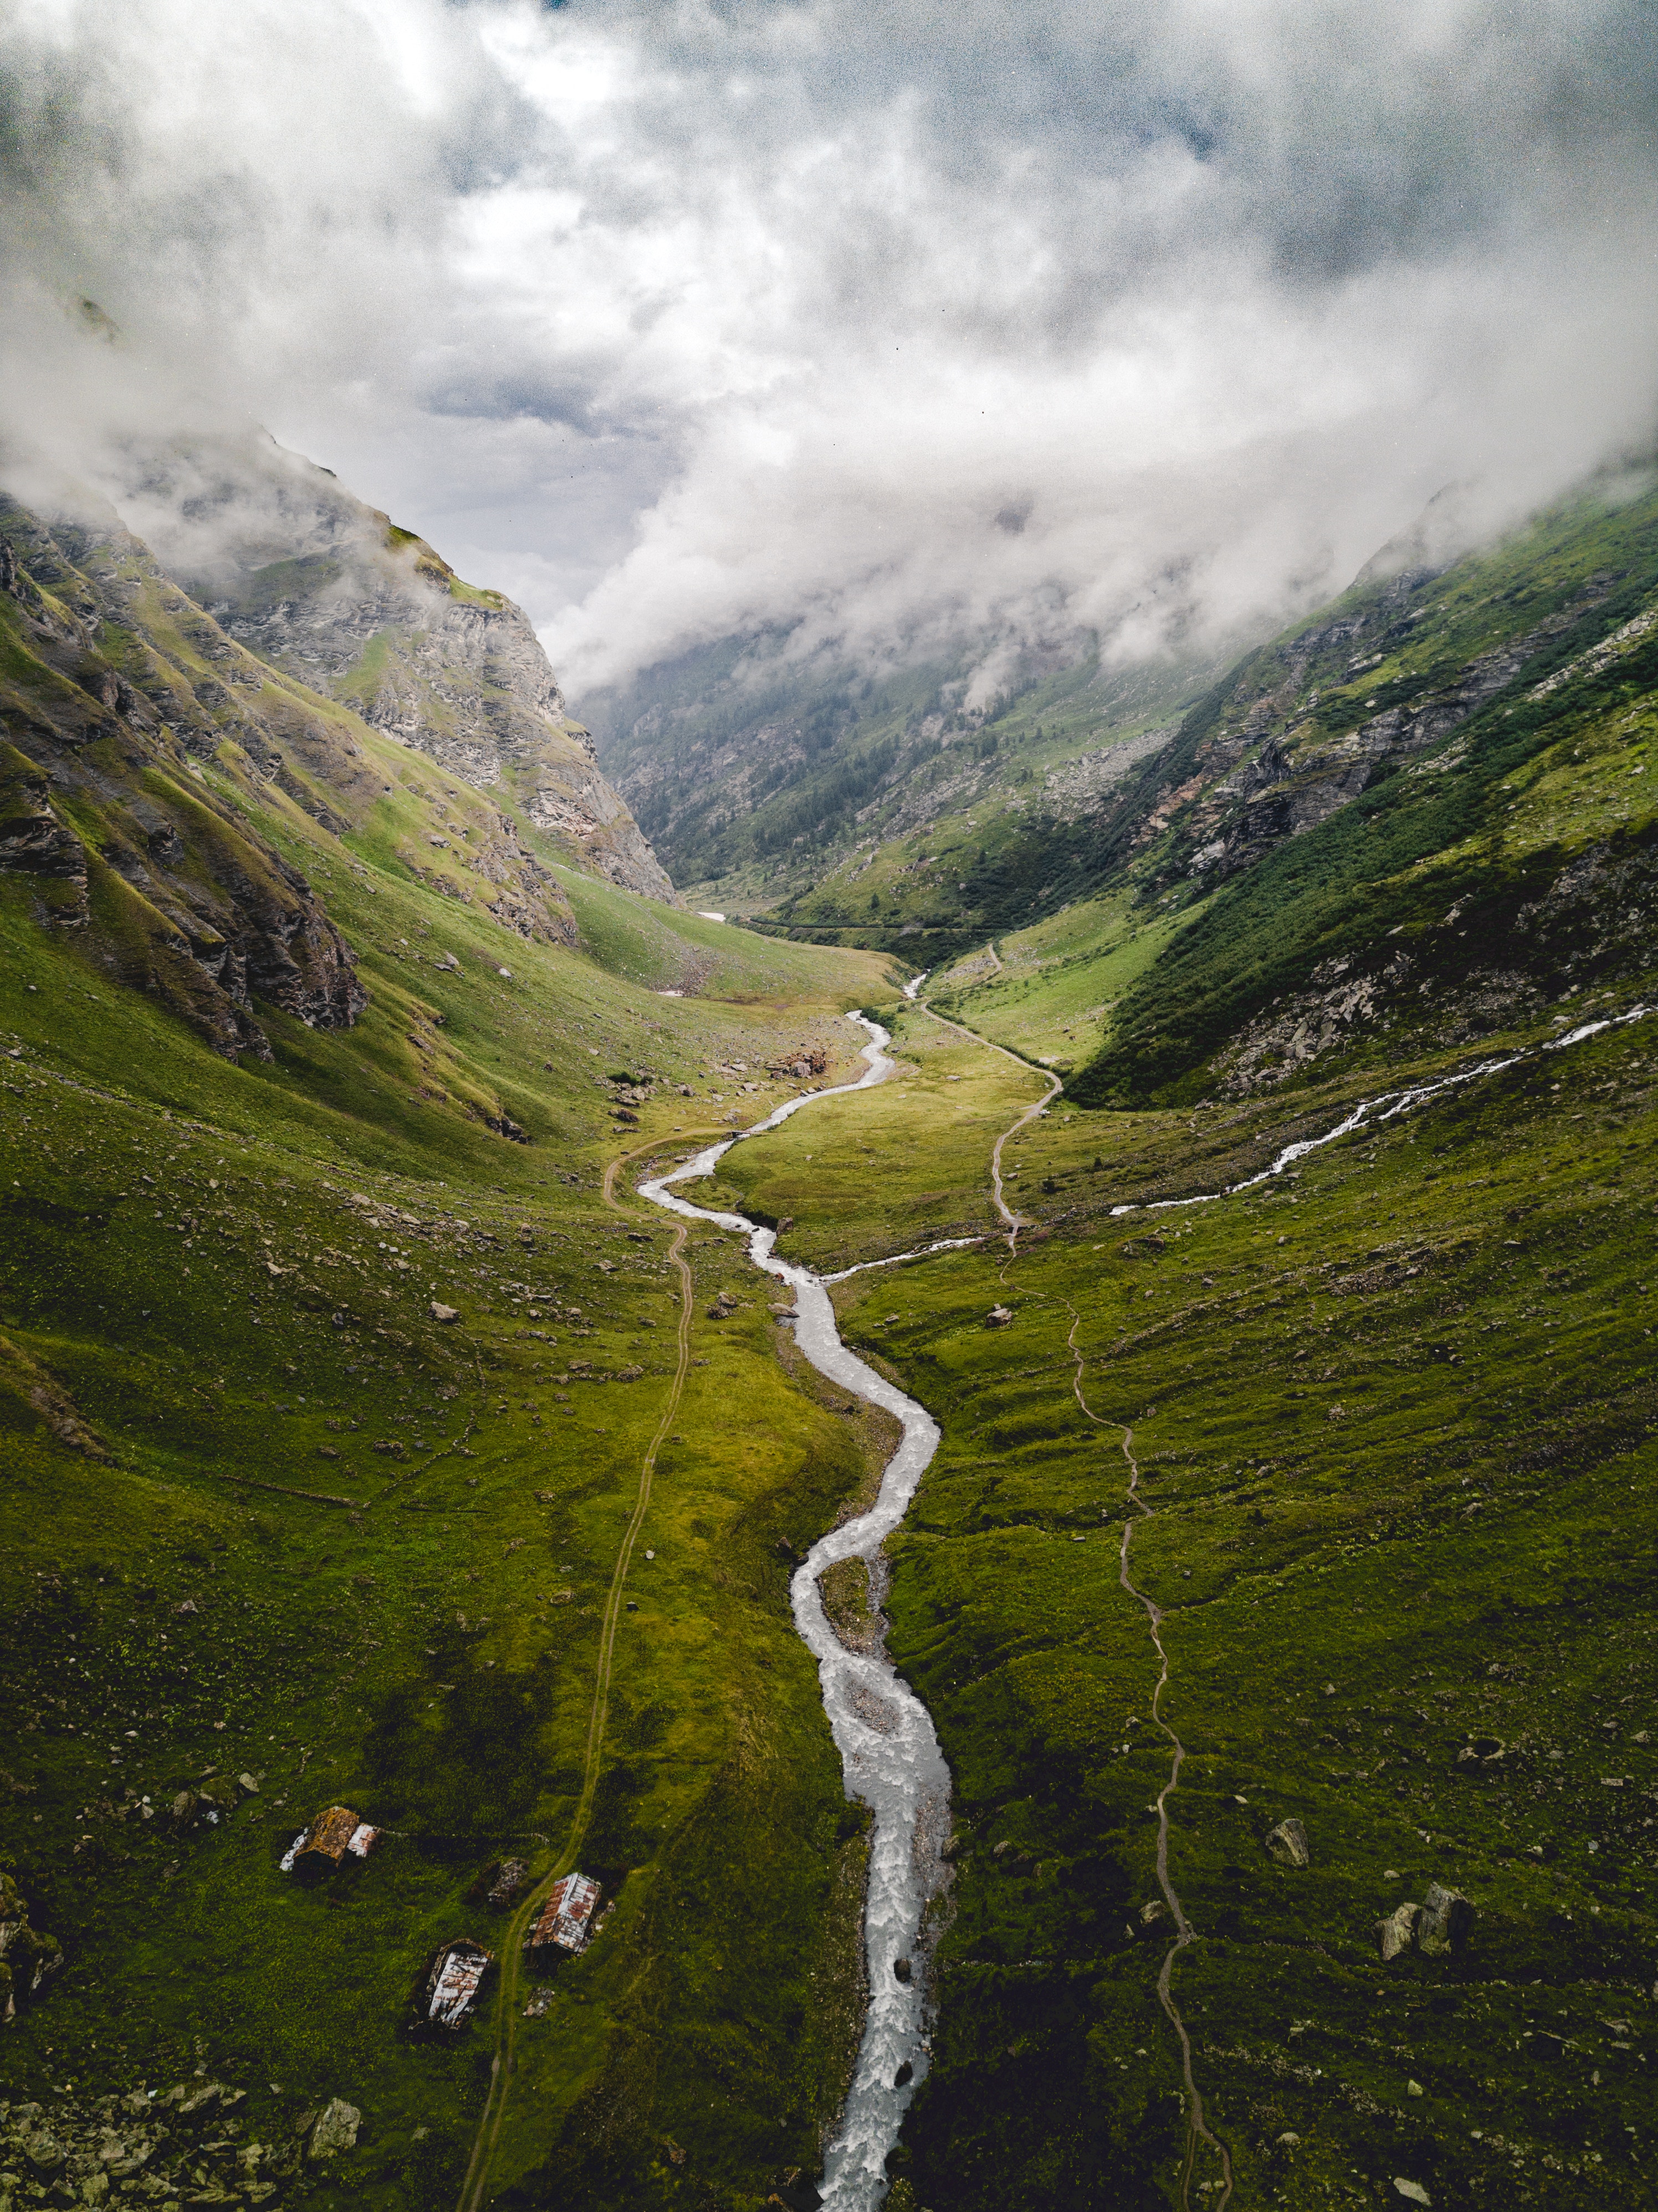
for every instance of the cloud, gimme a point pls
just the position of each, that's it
(879, 330)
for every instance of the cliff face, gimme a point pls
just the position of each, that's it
(331, 592)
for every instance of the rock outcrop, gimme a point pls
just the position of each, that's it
(1287, 1844)
(1435, 1927)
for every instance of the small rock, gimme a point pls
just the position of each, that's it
(999, 1317)
(1412, 2190)
(334, 2129)
(247, 1785)
(42, 2149)
(1414, 2089)
(1288, 1843)
(1289, 2140)
(441, 1312)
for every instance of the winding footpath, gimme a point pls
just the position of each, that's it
(1012, 1222)
(1197, 2126)
(505, 2016)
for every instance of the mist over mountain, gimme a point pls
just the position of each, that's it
(1145, 325)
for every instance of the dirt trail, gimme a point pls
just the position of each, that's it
(1197, 2127)
(1014, 1221)
(506, 2012)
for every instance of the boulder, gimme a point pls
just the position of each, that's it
(1411, 2191)
(442, 1313)
(1288, 1843)
(999, 1317)
(1434, 1928)
(1446, 1918)
(1398, 1931)
(900, 1969)
(334, 2129)
(905, 2074)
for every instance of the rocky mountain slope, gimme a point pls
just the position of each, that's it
(874, 812)
(332, 593)
(1426, 809)
(145, 737)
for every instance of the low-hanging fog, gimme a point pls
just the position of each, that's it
(882, 329)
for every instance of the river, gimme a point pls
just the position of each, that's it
(888, 1752)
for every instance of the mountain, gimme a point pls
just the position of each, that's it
(906, 810)
(148, 735)
(333, 593)
(1278, 816)
(1422, 813)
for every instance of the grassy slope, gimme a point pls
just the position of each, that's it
(1393, 1422)
(1047, 991)
(180, 1234)
(1440, 858)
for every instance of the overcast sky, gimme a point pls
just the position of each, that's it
(891, 323)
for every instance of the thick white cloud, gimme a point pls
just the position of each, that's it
(883, 326)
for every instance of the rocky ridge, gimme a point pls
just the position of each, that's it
(331, 591)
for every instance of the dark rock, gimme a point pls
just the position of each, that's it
(1447, 1916)
(334, 2129)
(901, 1968)
(1288, 1843)
(906, 2073)
(508, 1880)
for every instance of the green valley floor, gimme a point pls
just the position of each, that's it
(1373, 1437)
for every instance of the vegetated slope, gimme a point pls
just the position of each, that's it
(271, 1515)
(1393, 1420)
(1426, 812)
(332, 592)
(902, 812)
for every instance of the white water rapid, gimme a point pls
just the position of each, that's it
(888, 1752)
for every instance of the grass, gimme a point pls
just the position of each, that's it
(226, 1271)
(1392, 1416)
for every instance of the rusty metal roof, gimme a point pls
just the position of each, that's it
(328, 1839)
(564, 1920)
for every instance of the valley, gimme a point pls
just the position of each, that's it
(1278, 1591)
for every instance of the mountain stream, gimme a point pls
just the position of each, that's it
(890, 1755)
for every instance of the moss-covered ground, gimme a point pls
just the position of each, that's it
(267, 1517)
